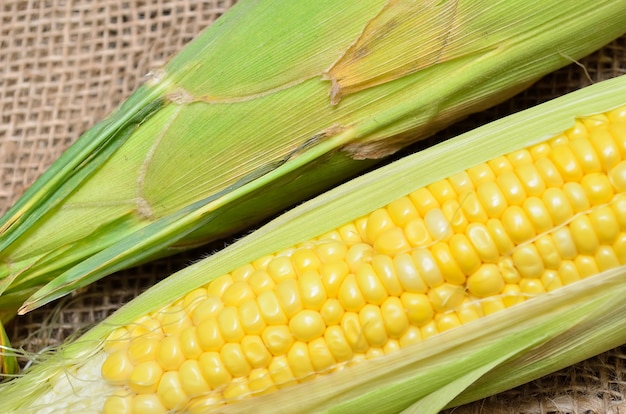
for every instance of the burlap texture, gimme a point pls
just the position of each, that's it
(65, 64)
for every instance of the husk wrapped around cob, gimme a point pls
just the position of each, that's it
(272, 104)
(523, 340)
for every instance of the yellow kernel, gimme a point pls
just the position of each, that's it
(255, 351)
(409, 277)
(237, 293)
(598, 188)
(333, 250)
(586, 265)
(250, 316)
(351, 325)
(538, 214)
(416, 233)
(371, 320)
(531, 286)
(454, 215)
(619, 246)
(547, 250)
(605, 147)
(175, 320)
(280, 268)
(442, 191)
(373, 353)
(280, 372)
(209, 308)
(566, 163)
(394, 317)
(549, 172)
(350, 295)
(517, 225)
(586, 155)
(142, 349)
(577, 197)
(261, 281)
(617, 176)
(209, 335)
(528, 261)
(531, 179)
(391, 241)
(147, 404)
(500, 237)
(461, 182)
(492, 199)
(331, 311)
(466, 249)
(418, 307)
(486, 281)
(447, 264)
(145, 377)
(402, 211)
(270, 308)
(520, 157)
(617, 115)
(584, 235)
(471, 207)
(509, 272)
(469, 311)
(236, 390)
(426, 331)
(481, 173)
(262, 262)
(213, 370)
(219, 285)
(117, 367)
(120, 402)
(385, 270)
(605, 223)
(578, 130)
(370, 285)
(438, 225)
(392, 345)
(492, 304)
(423, 200)
(426, 267)
(260, 382)
(117, 340)
(234, 359)
(568, 272)
(191, 380)
(358, 254)
(512, 295)
(500, 165)
(332, 274)
(350, 234)
(193, 299)
(606, 258)
(447, 321)
(551, 280)
(307, 325)
(377, 222)
(304, 260)
(170, 391)
(540, 150)
(241, 274)
(564, 242)
(511, 187)
(311, 289)
(414, 334)
(278, 339)
(446, 297)
(230, 325)
(338, 344)
(321, 357)
(289, 297)
(170, 353)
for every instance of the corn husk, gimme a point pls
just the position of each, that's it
(272, 104)
(472, 361)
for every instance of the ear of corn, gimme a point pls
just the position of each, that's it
(432, 281)
(275, 102)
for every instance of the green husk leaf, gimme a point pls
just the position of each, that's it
(463, 364)
(274, 103)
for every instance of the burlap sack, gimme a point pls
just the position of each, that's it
(65, 64)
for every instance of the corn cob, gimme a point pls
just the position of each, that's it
(126, 184)
(491, 254)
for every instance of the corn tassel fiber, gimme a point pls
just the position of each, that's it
(464, 363)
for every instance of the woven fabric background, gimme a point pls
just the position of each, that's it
(65, 64)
